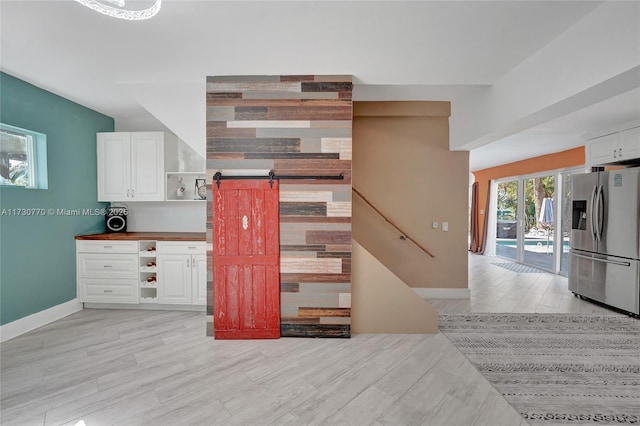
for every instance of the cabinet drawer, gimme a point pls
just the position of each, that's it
(108, 291)
(103, 246)
(181, 247)
(108, 265)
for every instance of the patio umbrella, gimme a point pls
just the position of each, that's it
(546, 216)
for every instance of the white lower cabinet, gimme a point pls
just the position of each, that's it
(161, 272)
(107, 272)
(112, 265)
(106, 290)
(199, 279)
(174, 279)
(182, 273)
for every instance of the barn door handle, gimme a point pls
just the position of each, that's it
(245, 222)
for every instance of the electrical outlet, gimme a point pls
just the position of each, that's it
(445, 226)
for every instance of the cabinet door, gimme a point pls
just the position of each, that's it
(147, 166)
(601, 150)
(174, 279)
(114, 166)
(199, 279)
(629, 144)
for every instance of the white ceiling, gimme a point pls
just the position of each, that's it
(565, 132)
(152, 73)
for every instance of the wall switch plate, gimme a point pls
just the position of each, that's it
(434, 225)
(445, 226)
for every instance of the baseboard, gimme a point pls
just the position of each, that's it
(442, 293)
(33, 321)
(146, 306)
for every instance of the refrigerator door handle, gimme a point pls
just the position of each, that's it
(615, 262)
(600, 213)
(591, 212)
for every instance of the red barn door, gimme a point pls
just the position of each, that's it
(246, 260)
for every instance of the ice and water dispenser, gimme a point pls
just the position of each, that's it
(579, 215)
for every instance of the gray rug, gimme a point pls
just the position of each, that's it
(520, 268)
(556, 369)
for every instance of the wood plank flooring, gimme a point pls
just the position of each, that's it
(128, 367)
(496, 289)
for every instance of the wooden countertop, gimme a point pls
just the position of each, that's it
(158, 236)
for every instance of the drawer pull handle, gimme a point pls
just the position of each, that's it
(108, 266)
(107, 246)
(192, 247)
(108, 291)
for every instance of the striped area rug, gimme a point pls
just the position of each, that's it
(556, 369)
(518, 267)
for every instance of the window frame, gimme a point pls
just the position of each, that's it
(36, 157)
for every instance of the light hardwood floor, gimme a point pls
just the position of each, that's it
(127, 367)
(496, 289)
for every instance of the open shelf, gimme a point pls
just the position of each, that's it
(144, 299)
(147, 254)
(147, 249)
(185, 180)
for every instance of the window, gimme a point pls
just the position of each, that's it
(23, 158)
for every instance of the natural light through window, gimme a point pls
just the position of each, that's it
(23, 158)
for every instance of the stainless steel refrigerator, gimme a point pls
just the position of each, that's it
(604, 260)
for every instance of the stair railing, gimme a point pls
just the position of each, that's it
(403, 234)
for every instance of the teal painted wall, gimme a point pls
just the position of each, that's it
(37, 254)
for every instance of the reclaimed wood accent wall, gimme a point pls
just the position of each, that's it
(293, 125)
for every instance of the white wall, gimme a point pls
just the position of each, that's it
(179, 216)
(594, 60)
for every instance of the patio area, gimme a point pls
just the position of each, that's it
(536, 251)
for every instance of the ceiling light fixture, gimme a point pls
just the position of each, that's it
(118, 9)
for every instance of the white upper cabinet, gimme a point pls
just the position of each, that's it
(147, 166)
(629, 147)
(618, 147)
(132, 165)
(603, 150)
(114, 166)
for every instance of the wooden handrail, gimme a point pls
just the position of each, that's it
(390, 222)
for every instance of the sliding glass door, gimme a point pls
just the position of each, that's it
(539, 222)
(533, 219)
(531, 214)
(507, 229)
